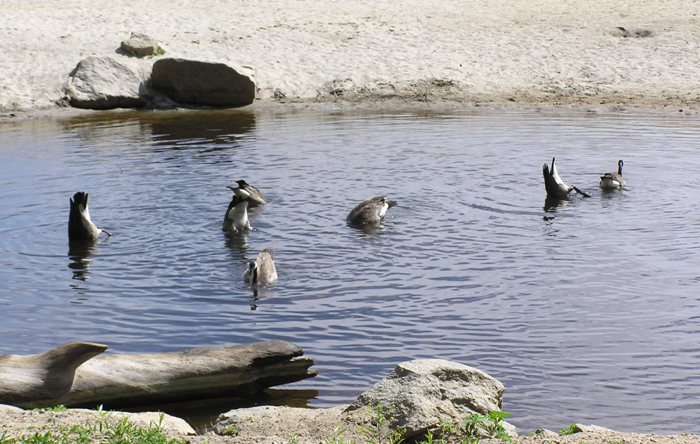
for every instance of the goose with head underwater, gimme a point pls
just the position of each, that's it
(236, 217)
(80, 226)
(370, 211)
(613, 181)
(262, 270)
(554, 185)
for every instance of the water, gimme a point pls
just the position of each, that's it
(589, 314)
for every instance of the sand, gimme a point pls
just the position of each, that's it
(24, 424)
(491, 52)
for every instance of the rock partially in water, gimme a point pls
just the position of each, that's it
(104, 83)
(421, 393)
(139, 45)
(415, 397)
(204, 83)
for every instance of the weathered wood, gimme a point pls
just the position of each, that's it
(46, 375)
(130, 380)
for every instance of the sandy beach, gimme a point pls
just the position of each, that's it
(608, 53)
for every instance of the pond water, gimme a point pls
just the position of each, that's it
(588, 312)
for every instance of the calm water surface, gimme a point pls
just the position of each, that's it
(589, 314)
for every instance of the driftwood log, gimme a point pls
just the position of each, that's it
(73, 374)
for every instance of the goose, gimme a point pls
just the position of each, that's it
(262, 270)
(256, 197)
(612, 181)
(80, 226)
(555, 186)
(236, 217)
(370, 211)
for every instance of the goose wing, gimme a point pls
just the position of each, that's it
(370, 211)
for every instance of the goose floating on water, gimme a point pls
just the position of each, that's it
(370, 211)
(256, 196)
(555, 186)
(262, 270)
(80, 226)
(613, 181)
(236, 217)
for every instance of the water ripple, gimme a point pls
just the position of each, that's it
(587, 314)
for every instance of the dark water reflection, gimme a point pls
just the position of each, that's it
(586, 309)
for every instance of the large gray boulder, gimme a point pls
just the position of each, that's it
(420, 393)
(104, 83)
(415, 397)
(203, 83)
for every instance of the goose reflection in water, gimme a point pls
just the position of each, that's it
(552, 203)
(80, 255)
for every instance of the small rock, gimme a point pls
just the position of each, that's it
(169, 424)
(139, 45)
(621, 31)
(278, 94)
(545, 433)
(581, 428)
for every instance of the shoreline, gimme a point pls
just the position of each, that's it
(606, 55)
(18, 423)
(376, 106)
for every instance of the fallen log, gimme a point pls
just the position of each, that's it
(73, 375)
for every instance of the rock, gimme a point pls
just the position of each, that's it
(581, 428)
(276, 424)
(167, 423)
(545, 433)
(422, 392)
(415, 397)
(9, 408)
(204, 83)
(104, 83)
(638, 33)
(139, 45)
(278, 94)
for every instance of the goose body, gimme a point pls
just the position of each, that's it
(256, 196)
(80, 226)
(370, 211)
(554, 185)
(236, 217)
(613, 181)
(262, 270)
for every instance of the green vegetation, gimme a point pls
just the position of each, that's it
(159, 51)
(568, 430)
(473, 428)
(380, 430)
(105, 430)
(231, 430)
(491, 425)
(57, 408)
(337, 437)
